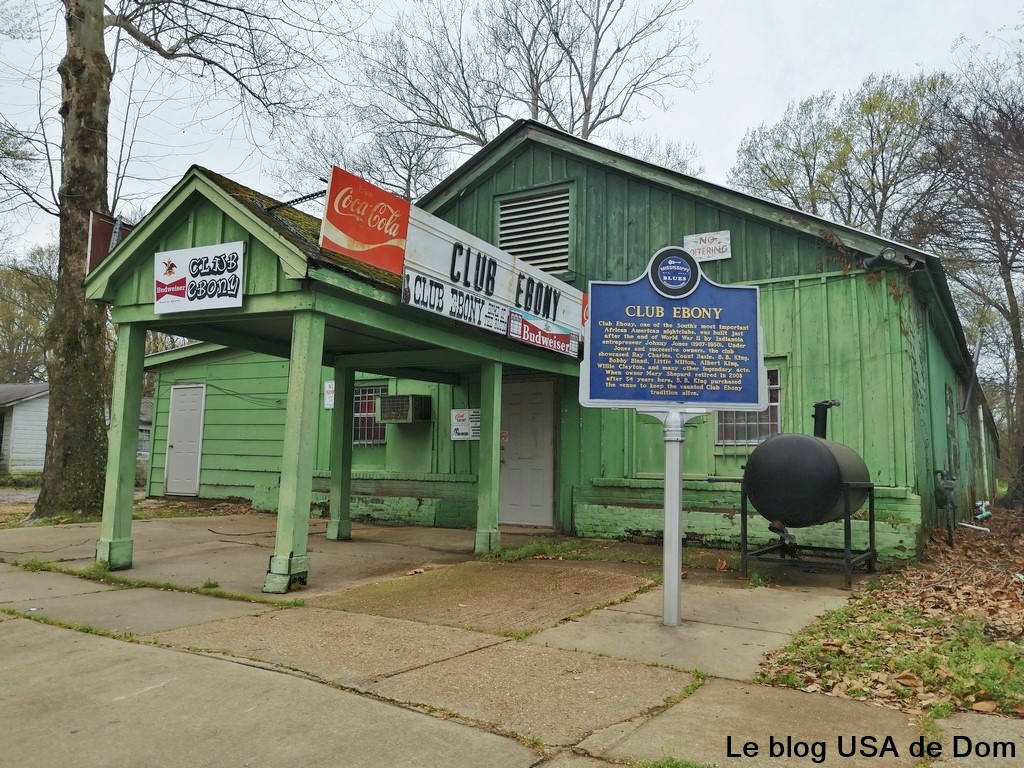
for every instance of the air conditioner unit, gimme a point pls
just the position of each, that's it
(402, 409)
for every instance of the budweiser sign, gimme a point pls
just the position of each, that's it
(191, 279)
(541, 333)
(365, 222)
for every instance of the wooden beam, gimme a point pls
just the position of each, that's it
(115, 543)
(488, 538)
(416, 374)
(290, 562)
(339, 526)
(237, 340)
(411, 324)
(413, 358)
(261, 304)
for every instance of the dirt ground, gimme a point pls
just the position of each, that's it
(16, 503)
(494, 597)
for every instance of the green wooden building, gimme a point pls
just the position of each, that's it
(846, 315)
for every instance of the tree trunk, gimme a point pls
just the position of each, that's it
(76, 436)
(1014, 497)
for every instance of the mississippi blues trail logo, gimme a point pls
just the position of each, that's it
(210, 277)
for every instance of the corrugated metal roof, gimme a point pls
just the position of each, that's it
(12, 393)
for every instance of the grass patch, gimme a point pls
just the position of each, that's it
(758, 579)
(902, 656)
(76, 626)
(573, 549)
(144, 509)
(668, 762)
(21, 480)
(518, 634)
(99, 571)
(51, 520)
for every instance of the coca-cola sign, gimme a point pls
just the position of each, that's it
(365, 222)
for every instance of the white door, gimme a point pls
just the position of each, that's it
(527, 453)
(184, 439)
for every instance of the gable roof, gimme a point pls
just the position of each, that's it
(929, 274)
(15, 393)
(293, 235)
(523, 131)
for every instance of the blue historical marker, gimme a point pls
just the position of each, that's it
(675, 345)
(673, 340)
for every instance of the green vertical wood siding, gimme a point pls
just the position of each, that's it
(833, 330)
(203, 223)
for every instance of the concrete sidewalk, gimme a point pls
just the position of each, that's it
(208, 681)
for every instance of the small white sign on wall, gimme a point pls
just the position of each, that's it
(465, 423)
(329, 395)
(709, 246)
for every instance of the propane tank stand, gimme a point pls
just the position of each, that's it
(843, 559)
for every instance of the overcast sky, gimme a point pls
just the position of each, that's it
(761, 55)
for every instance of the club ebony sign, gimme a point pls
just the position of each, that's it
(193, 279)
(672, 339)
(451, 273)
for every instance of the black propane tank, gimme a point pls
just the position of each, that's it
(797, 480)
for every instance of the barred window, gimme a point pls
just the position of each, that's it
(144, 441)
(366, 430)
(750, 427)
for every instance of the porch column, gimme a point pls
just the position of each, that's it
(339, 527)
(487, 536)
(115, 543)
(290, 562)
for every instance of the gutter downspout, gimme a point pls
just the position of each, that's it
(984, 449)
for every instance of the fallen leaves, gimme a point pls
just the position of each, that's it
(903, 643)
(985, 706)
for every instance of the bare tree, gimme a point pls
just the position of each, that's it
(673, 154)
(446, 77)
(462, 71)
(980, 144)
(864, 160)
(406, 163)
(268, 56)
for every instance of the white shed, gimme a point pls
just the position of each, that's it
(23, 411)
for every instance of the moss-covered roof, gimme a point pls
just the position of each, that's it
(300, 229)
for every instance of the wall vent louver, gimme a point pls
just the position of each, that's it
(536, 229)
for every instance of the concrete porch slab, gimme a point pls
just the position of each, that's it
(136, 611)
(770, 610)
(75, 699)
(494, 597)
(721, 651)
(553, 695)
(17, 585)
(345, 648)
(697, 729)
